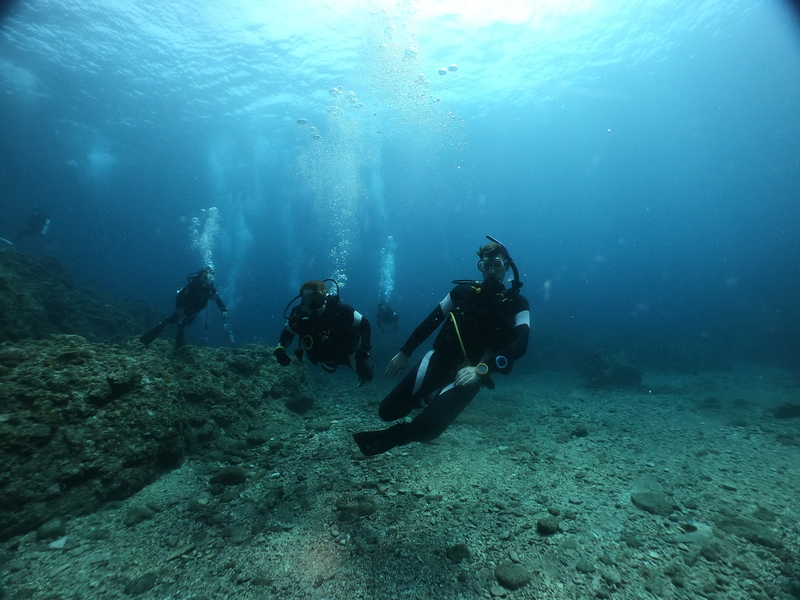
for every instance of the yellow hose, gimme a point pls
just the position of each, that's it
(458, 334)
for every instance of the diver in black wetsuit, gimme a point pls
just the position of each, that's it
(36, 225)
(190, 300)
(331, 332)
(384, 315)
(485, 329)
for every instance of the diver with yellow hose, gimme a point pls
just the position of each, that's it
(485, 329)
(331, 332)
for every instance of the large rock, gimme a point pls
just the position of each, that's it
(653, 502)
(512, 576)
(83, 423)
(753, 532)
(38, 298)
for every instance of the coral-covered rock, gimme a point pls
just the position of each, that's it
(38, 298)
(83, 423)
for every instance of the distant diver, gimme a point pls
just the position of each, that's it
(484, 330)
(384, 315)
(189, 301)
(37, 224)
(331, 332)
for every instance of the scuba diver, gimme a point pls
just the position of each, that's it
(485, 329)
(331, 332)
(384, 315)
(36, 224)
(190, 300)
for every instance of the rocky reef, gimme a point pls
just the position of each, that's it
(83, 423)
(39, 298)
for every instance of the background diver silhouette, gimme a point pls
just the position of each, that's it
(384, 315)
(189, 301)
(37, 224)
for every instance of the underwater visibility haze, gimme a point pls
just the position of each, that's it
(639, 159)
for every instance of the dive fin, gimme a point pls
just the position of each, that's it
(151, 335)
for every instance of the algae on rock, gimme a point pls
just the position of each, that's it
(84, 423)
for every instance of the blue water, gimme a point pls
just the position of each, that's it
(640, 159)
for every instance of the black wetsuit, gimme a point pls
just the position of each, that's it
(492, 321)
(339, 336)
(35, 225)
(190, 300)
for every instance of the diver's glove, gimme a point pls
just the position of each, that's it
(283, 358)
(361, 354)
(363, 371)
(224, 315)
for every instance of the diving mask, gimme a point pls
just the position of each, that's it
(313, 304)
(497, 264)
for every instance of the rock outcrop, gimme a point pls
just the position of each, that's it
(38, 298)
(84, 423)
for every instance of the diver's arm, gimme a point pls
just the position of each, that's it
(362, 324)
(220, 303)
(518, 345)
(287, 335)
(428, 326)
(213, 294)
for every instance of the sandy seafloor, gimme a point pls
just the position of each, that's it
(316, 520)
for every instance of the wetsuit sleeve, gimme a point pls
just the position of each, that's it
(349, 316)
(365, 333)
(287, 335)
(215, 297)
(519, 340)
(429, 325)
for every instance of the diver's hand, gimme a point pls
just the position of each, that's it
(224, 315)
(467, 376)
(364, 371)
(283, 358)
(396, 365)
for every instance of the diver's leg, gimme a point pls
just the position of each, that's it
(441, 412)
(179, 336)
(433, 371)
(182, 324)
(427, 426)
(377, 442)
(425, 377)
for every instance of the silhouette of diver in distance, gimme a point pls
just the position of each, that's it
(189, 301)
